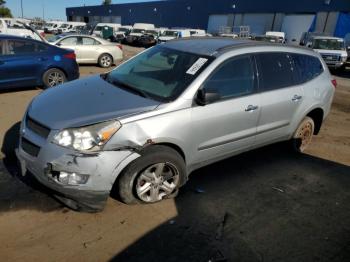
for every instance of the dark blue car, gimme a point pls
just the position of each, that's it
(27, 62)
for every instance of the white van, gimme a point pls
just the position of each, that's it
(281, 36)
(99, 27)
(69, 26)
(137, 31)
(52, 26)
(171, 34)
(198, 32)
(11, 26)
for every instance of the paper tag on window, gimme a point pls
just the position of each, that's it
(196, 66)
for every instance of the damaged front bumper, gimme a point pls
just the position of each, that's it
(46, 160)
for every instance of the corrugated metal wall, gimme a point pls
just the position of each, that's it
(195, 13)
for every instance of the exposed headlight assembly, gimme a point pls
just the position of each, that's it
(87, 138)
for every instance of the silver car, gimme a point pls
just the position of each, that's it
(90, 49)
(145, 126)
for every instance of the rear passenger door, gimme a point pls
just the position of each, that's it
(89, 50)
(229, 125)
(71, 42)
(281, 96)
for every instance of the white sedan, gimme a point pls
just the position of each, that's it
(90, 49)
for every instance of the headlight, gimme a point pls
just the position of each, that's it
(87, 138)
(344, 58)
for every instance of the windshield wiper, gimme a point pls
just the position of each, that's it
(124, 86)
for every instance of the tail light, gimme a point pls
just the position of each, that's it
(70, 56)
(334, 83)
(120, 47)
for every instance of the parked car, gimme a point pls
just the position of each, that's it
(198, 33)
(149, 38)
(99, 28)
(145, 126)
(172, 34)
(138, 30)
(10, 26)
(52, 27)
(27, 62)
(279, 36)
(70, 27)
(332, 50)
(91, 49)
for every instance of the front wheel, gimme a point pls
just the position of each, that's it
(303, 135)
(155, 176)
(53, 77)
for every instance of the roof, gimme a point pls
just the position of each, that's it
(209, 46)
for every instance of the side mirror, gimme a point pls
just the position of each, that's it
(348, 48)
(207, 96)
(58, 44)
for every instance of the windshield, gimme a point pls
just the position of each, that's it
(64, 25)
(329, 44)
(49, 25)
(159, 73)
(123, 29)
(170, 33)
(138, 31)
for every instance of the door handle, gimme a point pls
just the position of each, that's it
(296, 98)
(251, 108)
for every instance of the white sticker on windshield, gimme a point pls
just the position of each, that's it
(196, 66)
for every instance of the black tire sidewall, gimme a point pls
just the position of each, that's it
(154, 155)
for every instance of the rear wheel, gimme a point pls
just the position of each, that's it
(54, 77)
(105, 60)
(303, 135)
(155, 176)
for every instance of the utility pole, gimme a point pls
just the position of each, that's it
(43, 12)
(22, 7)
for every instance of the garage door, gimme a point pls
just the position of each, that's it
(216, 22)
(111, 19)
(258, 23)
(295, 25)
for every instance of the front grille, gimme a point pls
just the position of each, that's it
(330, 57)
(37, 128)
(30, 148)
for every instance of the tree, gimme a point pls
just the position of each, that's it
(105, 2)
(4, 11)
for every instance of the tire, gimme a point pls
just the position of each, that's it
(302, 137)
(54, 77)
(105, 60)
(154, 176)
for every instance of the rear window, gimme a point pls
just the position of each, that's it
(307, 67)
(276, 70)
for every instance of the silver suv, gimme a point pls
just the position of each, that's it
(145, 126)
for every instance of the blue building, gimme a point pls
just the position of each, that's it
(290, 16)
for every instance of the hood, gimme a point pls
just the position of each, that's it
(166, 38)
(333, 52)
(84, 102)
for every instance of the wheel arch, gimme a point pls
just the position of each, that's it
(52, 67)
(317, 115)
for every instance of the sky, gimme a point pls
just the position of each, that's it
(53, 9)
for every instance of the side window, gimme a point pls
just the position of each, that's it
(276, 70)
(69, 41)
(233, 78)
(2, 47)
(88, 41)
(308, 67)
(18, 47)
